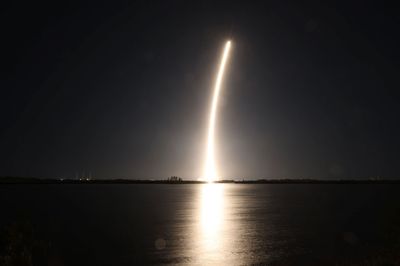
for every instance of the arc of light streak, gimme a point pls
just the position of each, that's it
(210, 169)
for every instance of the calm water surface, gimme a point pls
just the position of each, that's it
(214, 224)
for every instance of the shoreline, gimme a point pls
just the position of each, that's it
(38, 181)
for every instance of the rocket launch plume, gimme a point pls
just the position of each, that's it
(210, 172)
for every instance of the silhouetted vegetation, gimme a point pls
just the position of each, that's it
(174, 179)
(19, 246)
(319, 181)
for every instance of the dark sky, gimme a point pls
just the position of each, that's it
(122, 89)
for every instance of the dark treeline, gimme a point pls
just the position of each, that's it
(34, 180)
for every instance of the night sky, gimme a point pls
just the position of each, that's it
(122, 89)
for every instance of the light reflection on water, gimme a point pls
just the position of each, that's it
(217, 237)
(211, 214)
(212, 221)
(223, 231)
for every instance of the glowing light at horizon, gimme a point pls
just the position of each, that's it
(210, 172)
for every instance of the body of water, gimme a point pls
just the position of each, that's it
(206, 224)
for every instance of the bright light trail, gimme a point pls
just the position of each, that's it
(210, 172)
